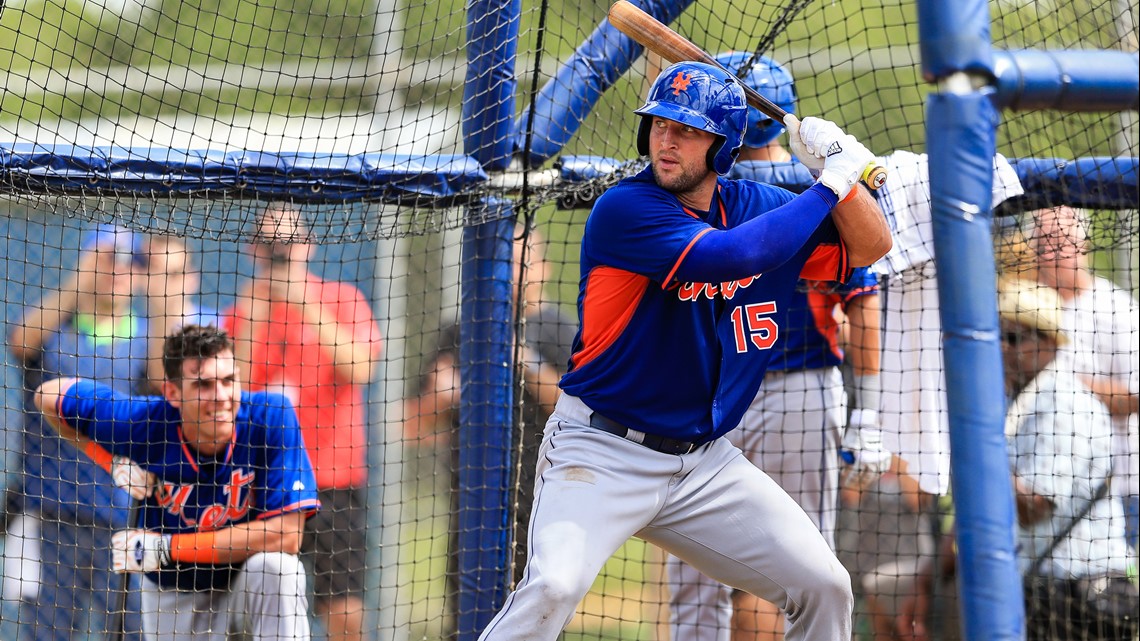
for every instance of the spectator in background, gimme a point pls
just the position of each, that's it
(1060, 447)
(168, 282)
(85, 328)
(1103, 323)
(794, 428)
(315, 342)
(432, 417)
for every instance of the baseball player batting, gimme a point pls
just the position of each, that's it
(227, 486)
(685, 282)
(794, 429)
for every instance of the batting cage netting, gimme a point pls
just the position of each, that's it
(381, 205)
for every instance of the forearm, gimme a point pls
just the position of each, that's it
(237, 543)
(1114, 394)
(759, 245)
(1031, 508)
(159, 326)
(427, 421)
(541, 380)
(46, 400)
(863, 349)
(863, 228)
(351, 358)
(243, 325)
(50, 313)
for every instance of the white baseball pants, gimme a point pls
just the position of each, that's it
(266, 602)
(712, 508)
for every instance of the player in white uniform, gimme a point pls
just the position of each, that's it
(914, 411)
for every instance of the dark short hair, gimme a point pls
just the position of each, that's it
(193, 342)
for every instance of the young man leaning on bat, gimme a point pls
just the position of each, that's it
(686, 278)
(227, 486)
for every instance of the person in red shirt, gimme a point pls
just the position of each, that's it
(316, 342)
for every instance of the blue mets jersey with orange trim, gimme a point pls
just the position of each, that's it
(265, 472)
(681, 360)
(811, 338)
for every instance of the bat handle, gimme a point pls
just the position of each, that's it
(874, 175)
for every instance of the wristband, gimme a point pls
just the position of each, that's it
(193, 547)
(162, 550)
(862, 417)
(100, 456)
(867, 392)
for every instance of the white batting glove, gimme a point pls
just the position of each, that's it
(133, 478)
(139, 551)
(846, 161)
(862, 450)
(807, 157)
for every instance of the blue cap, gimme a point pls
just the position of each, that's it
(108, 236)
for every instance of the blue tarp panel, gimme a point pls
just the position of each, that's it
(1103, 182)
(305, 177)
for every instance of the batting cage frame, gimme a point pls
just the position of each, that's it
(499, 176)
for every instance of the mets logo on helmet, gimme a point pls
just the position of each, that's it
(681, 82)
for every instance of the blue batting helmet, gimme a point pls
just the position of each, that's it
(767, 78)
(703, 97)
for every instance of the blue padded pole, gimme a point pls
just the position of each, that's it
(485, 349)
(961, 155)
(961, 141)
(1080, 80)
(567, 98)
(485, 423)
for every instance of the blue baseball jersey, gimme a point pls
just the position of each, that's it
(59, 480)
(265, 471)
(811, 338)
(682, 360)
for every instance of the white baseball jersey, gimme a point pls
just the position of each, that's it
(914, 411)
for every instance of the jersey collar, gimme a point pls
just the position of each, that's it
(192, 456)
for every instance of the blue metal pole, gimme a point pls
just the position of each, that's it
(485, 350)
(961, 124)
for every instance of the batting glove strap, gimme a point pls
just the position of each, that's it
(819, 135)
(846, 161)
(131, 477)
(139, 551)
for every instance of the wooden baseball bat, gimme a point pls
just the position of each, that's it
(673, 47)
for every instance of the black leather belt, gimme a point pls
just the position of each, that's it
(652, 441)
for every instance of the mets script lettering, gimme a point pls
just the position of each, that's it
(694, 291)
(237, 495)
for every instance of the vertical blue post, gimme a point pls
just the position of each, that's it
(485, 349)
(961, 153)
(960, 127)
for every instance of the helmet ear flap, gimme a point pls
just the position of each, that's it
(714, 150)
(720, 159)
(643, 135)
